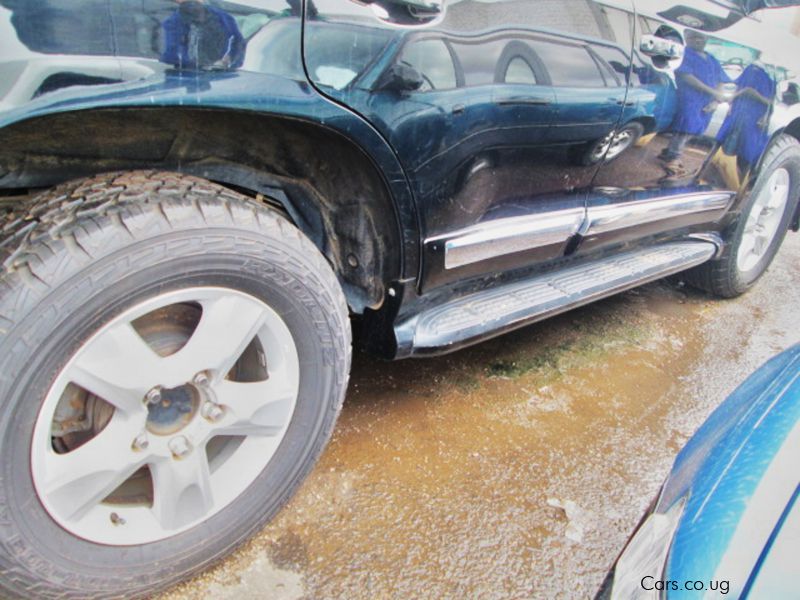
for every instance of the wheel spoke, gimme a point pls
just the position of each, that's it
(747, 246)
(77, 481)
(182, 490)
(778, 197)
(777, 191)
(261, 408)
(760, 243)
(118, 366)
(752, 220)
(185, 361)
(227, 325)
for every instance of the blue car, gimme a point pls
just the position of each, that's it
(727, 520)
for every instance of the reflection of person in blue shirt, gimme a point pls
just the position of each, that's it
(699, 79)
(199, 36)
(744, 132)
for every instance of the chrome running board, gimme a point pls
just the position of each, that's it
(485, 314)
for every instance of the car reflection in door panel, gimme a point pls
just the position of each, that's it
(510, 121)
(720, 108)
(525, 90)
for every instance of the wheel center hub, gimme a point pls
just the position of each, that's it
(175, 410)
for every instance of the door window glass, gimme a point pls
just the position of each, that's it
(335, 54)
(432, 59)
(494, 61)
(614, 63)
(519, 71)
(479, 60)
(621, 24)
(569, 66)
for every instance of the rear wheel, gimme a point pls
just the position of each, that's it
(760, 229)
(179, 355)
(611, 146)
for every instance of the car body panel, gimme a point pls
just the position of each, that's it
(464, 160)
(722, 152)
(488, 136)
(739, 475)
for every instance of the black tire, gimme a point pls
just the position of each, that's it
(723, 277)
(82, 254)
(590, 154)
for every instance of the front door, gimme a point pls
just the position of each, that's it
(499, 111)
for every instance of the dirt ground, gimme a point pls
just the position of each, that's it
(517, 468)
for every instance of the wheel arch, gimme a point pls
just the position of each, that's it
(649, 123)
(326, 183)
(793, 129)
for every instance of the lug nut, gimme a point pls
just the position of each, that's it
(212, 412)
(153, 396)
(140, 442)
(179, 446)
(201, 379)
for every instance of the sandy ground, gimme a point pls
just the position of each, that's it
(517, 468)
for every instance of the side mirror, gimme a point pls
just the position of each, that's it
(407, 12)
(659, 47)
(400, 78)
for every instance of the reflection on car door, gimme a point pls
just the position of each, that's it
(519, 102)
(677, 179)
(588, 105)
(420, 122)
(509, 89)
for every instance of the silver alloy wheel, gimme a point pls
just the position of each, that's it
(611, 146)
(182, 434)
(619, 143)
(763, 220)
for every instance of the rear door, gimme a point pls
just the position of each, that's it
(697, 150)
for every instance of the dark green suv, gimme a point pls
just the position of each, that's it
(198, 198)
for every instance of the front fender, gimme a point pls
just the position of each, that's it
(52, 69)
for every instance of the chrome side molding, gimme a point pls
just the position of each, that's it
(500, 237)
(711, 237)
(622, 215)
(509, 235)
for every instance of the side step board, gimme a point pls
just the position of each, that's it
(489, 313)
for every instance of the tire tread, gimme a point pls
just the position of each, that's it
(57, 233)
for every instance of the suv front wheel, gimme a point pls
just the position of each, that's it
(173, 358)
